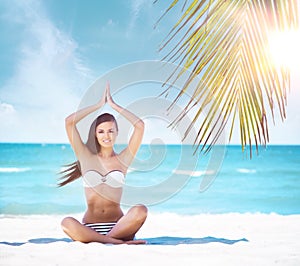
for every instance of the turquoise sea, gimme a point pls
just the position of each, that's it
(267, 183)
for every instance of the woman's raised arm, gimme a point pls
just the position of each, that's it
(135, 141)
(71, 121)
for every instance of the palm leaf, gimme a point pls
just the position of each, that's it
(225, 44)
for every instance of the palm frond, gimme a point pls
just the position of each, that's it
(225, 44)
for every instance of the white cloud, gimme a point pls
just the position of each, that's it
(136, 7)
(6, 109)
(8, 121)
(159, 132)
(48, 80)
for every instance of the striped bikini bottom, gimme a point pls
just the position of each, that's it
(101, 228)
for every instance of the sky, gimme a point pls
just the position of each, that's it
(53, 52)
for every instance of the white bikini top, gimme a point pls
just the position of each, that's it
(114, 178)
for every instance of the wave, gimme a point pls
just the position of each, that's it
(246, 171)
(14, 169)
(193, 173)
(15, 208)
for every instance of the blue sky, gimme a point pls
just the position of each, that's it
(53, 50)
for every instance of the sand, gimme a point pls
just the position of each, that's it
(206, 239)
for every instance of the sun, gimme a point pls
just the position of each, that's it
(285, 48)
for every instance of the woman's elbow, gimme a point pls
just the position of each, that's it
(140, 124)
(69, 121)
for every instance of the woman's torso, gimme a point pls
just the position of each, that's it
(103, 181)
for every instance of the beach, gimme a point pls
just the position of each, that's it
(172, 239)
(214, 159)
(249, 215)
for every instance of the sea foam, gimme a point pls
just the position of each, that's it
(14, 169)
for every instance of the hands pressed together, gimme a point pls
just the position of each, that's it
(106, 97)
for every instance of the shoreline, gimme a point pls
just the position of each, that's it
(229, 239)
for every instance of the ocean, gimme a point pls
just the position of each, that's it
(166, 178)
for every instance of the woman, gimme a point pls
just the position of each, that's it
(103, 172)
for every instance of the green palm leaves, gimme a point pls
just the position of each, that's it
(225, 44)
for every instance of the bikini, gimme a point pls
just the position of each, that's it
(101, 228)
(93, 178)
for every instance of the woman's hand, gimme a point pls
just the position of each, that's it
(136, 242)
(103, 99)
(109, 98)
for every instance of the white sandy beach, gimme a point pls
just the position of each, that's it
(225, 239)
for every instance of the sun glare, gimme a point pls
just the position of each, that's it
(285, 48)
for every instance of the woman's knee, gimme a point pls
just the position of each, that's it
(140, 212)
(67, 224)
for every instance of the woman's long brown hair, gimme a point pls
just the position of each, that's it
(73, 170)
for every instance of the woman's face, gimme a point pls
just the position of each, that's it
(106, 133)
